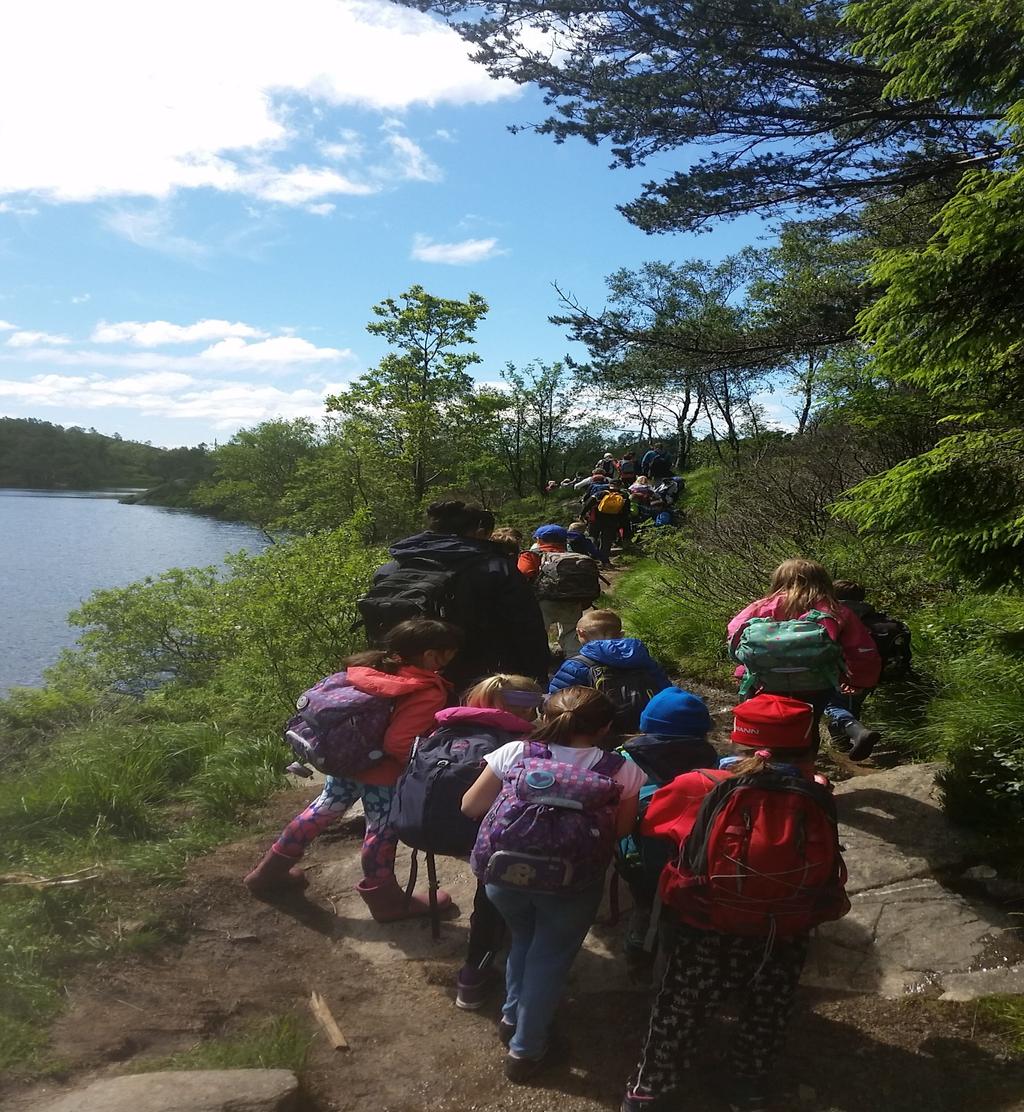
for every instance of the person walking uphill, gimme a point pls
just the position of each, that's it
(405, 692)
(566, 583)
(452, 571)
(742, 907)
(552, 808)
(801, 640)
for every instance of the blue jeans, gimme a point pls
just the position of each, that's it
(844, 709)
(547, 930)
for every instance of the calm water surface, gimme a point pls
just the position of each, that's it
(56, 548)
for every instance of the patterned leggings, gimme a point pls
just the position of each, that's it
(702, 969)
(380, 840)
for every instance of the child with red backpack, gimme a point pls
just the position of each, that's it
(368, 717)
(552, 808)
(800, 640)
(758, 867)
(428, 799)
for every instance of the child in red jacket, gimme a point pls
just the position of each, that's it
(406, 672)
(721, 946)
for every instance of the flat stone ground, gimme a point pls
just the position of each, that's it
(391, 990)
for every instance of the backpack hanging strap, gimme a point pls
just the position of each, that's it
(414, 872)
(435, 911)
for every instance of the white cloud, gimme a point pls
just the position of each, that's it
(325, 208)
(35, 339)
(6, 326)
(300, 185)
(277, 351)
(463, 253)
(347, 145)
(151, 228)
(224, 404)
(81, 298)
(119, 99)
(12, 209)
(155, 333)
(412, 160)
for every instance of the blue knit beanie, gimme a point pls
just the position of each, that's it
(676, 713)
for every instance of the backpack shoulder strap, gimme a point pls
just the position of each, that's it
(536, 749)
(609, 764)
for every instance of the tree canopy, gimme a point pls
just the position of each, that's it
(796, 102)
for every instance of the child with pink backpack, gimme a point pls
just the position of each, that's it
(552, 809)
(359, 725)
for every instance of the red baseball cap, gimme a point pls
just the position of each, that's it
(773, 722)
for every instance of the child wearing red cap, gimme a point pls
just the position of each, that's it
(742, 927)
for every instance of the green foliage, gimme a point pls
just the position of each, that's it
(256, 468)
(274, 1043)
(238, 647)
(1006, 1013)
(35, 453)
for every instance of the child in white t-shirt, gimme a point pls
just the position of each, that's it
(548, 927)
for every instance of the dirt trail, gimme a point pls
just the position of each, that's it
(391, 989)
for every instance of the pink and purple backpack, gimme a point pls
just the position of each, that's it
(552, 828)
(339, 729)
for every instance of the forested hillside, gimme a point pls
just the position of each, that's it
(37, 454)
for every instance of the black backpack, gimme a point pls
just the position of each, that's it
(892, 639)
(629, 689)
(420, 588)
(427, 807)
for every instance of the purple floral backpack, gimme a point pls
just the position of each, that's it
(339, 729)
(552, 828)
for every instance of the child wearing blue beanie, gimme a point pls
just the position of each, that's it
(675, 725)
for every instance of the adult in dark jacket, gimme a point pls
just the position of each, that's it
(493, 603)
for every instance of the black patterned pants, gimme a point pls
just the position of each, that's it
(703, 968)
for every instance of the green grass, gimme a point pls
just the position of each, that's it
(1006, 1013)
(130, 803)
(277, 1042)
(686, 639)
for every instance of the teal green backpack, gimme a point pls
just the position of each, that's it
(789, 656)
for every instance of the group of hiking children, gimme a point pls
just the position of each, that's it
(621, 494)
(458, 741)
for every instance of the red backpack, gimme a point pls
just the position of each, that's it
(763, 858)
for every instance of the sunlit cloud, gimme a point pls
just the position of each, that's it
(463, 253)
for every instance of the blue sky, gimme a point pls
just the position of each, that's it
(199, 204)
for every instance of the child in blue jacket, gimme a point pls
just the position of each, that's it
(619, 666)
(600, 634)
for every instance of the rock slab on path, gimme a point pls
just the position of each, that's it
(906, 930)
(184, 1091)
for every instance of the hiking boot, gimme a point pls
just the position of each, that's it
(387, 901)
(275, 874)
(505, 1031)
(864, 741)
(473, 987)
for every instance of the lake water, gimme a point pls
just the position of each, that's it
(57, 547)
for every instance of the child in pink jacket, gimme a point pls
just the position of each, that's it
(798, 586)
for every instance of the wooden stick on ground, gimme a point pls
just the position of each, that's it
(323, 1016)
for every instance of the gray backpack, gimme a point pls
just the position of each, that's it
(568, 575)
